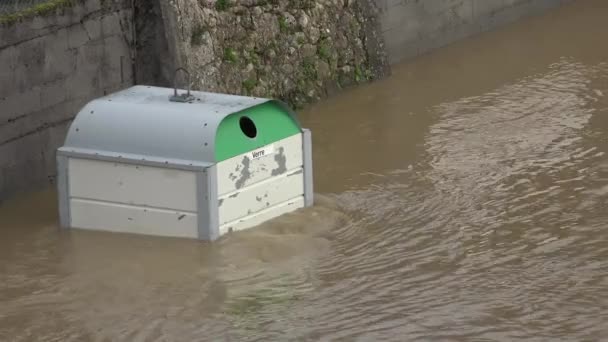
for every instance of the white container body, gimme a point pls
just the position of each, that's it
(121, 195)
(261, 184)
(129, 198)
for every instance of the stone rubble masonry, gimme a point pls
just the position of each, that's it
(296, 50)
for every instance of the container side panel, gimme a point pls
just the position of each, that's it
(63, 192)
(261, 195)
(258, 165)
(132, 219)
(266, 123)
(132, 184)
(208, 226)
(308, 171)
(263, 216)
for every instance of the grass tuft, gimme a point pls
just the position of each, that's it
(40, 9)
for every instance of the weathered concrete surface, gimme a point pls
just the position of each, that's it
(154, 60)
(413, 27)
(49, 68)
(296, 50)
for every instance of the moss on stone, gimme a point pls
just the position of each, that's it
(252, 56)
(197, 35)
(302, 4)
(249, 84)
(41, 9)
(308, 68)
(222, 5)
(255, 59)
(358, 74)
(230, 55)
(283, 27)
(272, 45)
(324, 49)
(278, 48)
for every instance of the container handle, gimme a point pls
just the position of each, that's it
(183, 97)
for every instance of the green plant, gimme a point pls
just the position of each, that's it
(230, 55)
(255, 59)
(358, 74)
(301, 40)
(249, 84)
(339, 84)
(36, 10)
(272, 45)
(308, 68)
(283, 27)
(197, 35)
(324, 49)
(252, 56)
(221, 5)
(301, 84)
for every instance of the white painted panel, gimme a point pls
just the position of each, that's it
(261, 195)
(132, 184)
(263, 216)
(113, 217)
(244, 170)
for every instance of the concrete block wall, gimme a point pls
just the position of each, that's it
(50, 67)
(413, 27)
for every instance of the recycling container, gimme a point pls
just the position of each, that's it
(146, 160)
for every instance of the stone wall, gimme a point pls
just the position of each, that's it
(300, 51)
(413, 27)
(295, 50)
(50, 66)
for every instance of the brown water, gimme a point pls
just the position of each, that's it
(463, 199)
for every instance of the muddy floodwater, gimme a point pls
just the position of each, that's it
(465, 198)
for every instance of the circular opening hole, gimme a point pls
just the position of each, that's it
(248, 127)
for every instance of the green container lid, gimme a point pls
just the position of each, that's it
(253, 128)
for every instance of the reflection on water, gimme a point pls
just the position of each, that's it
(464, 198)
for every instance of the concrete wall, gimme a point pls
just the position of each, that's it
(154, 57)
(49, 68)
(413, 27)
(51, 65)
